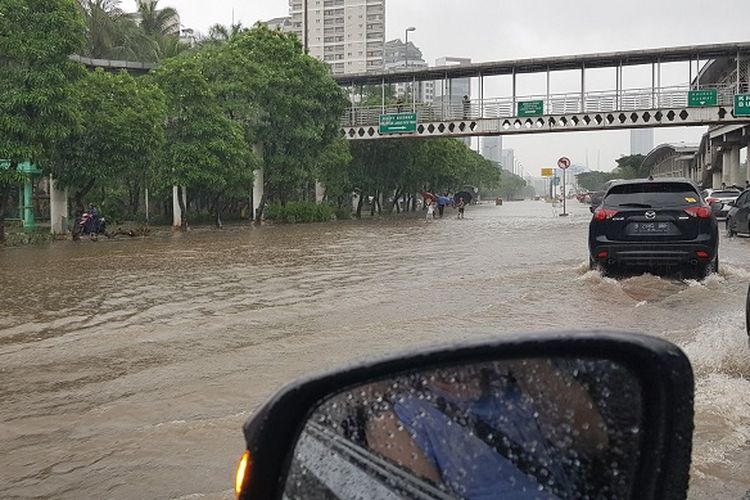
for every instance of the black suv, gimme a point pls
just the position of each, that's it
(654, 224)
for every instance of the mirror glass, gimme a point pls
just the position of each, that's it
(528, 428)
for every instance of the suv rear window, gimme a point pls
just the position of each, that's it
(653, 194)
(724, 194)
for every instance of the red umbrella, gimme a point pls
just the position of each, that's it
(429, 196)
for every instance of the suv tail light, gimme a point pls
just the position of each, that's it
(700, 212)
(604, 213)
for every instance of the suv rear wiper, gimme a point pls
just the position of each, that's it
(635, 205)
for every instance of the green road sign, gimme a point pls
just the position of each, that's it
(531, 108)
(398, 123)
(700, 98)
(555, 181)
(742, 105)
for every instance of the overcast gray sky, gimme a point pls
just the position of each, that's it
(488, 30)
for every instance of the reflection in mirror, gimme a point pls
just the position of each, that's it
(531, 428)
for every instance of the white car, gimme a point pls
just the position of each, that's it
(719, 200)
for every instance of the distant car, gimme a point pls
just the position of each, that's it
(738, 218)
(654, 224)
(719, 199)
(595, 199)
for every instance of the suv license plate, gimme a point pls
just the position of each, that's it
(651, 227)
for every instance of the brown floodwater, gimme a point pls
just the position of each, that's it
(127, 367)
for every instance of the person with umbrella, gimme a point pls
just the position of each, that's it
(462, 199)
(461, 205)
(442, 201)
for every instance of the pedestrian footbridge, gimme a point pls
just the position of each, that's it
(699, 101)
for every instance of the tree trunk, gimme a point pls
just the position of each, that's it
(217, 208)
(4, 194)
(181, 195)
(396, 203)
(372, 205)
(135, 197)
(261, 205)
(414, 203)
(360, 201)
(377, 201)
(78, 197)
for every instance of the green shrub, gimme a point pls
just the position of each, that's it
(343, 213)
(299, 211)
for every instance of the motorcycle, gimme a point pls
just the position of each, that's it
(89, 225)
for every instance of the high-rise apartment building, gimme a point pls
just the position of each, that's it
(641, 141)
(398, 57)
(349, 35)
(492, 148)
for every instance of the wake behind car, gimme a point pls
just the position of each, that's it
(654, 224)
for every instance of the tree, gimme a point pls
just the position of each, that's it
(594, 181)
(297, 105)
(631, 167)
(113, 34)
(36, 77)
(121, 137)
(219, 33)
(204, 149)
(162, 27)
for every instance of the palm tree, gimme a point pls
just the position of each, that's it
(156, 22)
(113, 34)
(218, 33)
(162, 27)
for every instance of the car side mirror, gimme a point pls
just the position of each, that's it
(731, 203)
(560, 415)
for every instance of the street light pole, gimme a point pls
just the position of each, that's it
(406, 52)
(307, 48)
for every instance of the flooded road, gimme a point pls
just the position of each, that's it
(128, 367)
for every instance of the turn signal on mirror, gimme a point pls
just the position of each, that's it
(242, 473)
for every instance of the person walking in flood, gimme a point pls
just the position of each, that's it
(461, 205)
(430, 210)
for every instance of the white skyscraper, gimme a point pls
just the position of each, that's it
(641, 141)
(492, 148)
(347, 34)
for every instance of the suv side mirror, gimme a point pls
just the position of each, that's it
(567, 415)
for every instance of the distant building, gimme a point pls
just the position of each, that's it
(451, 94)
(508, 160)
(492, 148)
(349, 35)
(397, 56)
(672, 160)
(452, 91)
(641, 141)
(278, 23)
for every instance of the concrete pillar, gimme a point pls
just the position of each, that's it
(730, 166)
(176, 211)
(716, 179)
(320, 192)
(58, 208)
(28, 204)
(257, 190)
(257, 182)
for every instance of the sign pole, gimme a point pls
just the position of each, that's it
(565, 198)
(564, 163)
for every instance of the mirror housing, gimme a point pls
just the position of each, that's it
(663, 371)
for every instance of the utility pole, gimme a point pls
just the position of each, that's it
(304, 27)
